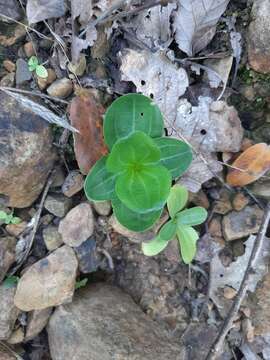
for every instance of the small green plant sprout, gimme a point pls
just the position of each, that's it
(180, 226)
(81, 283)
(10, 281)
(9, 218)
(40, 70)
(137, 174)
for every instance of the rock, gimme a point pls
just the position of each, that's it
(8, 80)
(43, 83)
(58, 204)
(49, 282)
(238, 224)
(61, 88)
(7, 254)
(73, 183)
(223, 205)
(103, 208)
(11, 9)
(78, 225)
(16, 229)
(258, 37)
(104, 323)
(8, 311)
(58, 177)
(229, 292)
(79, 67)
(240, 201)
(87, 256)
(11, 33)
(27, 153)
(199, 199)
(6, 355)
(16, 337)
(261, 188)
(9, 65)
(36, 322)
(29, 49)
(22, 72)
(52, 238)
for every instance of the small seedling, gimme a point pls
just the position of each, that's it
(81, 283)
(9, 218)
(10, 281)
(180, 226)
(40, 70)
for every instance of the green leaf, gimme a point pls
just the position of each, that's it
(154, 247)
(99, 183)
(32, 63)
(133, 152)
(81, 283)
(168, 231)
(193, 216)
(3, 215)
(187, 237)
(176, 155)
(41, 71)
(129, 113)
(15, 220)
(10, 281)
(132, 220)
(144, 190)
(8, 219)
(177, 199)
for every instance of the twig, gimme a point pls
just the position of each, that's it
(228, 322)
(6, 347)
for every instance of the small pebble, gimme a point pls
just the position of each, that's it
(103, 208)
(43, 83)
(8, 80)
(29, 49)
(52, 238)
(16, 229)
(240, 201)
(58, 204)
(9, 65)
(73, 183)
(229, 293)
(61, 88)
(22, 72)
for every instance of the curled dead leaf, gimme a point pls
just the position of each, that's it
(86, 115)
(250, 165)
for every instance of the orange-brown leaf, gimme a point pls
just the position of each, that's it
(252, 164)
(86, 116)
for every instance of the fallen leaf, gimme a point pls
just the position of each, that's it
(83, 10)
(39, 10)
(86, 115)
(195, 23)
(220, 66)
(252, 164)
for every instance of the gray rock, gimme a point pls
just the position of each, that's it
(103, 323)
(259, 37)
(10, 8)
(52, 238)
(238, 224)
(61, 88)
(87, 256)
(73, 183)
(22, 72)
(103, 208)
(58, 204)
(36, 322)
(78, 225)
(8, 311)
(8, 80)
(26, 153)
(49, 282)
(7, 254)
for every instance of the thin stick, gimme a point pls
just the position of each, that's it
(228, 322)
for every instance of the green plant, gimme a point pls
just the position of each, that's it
(9, 218)
(81, 283)
(10, 281)
(137, 174)
(33, 65)
(180, 226)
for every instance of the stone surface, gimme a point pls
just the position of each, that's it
(238, 224)
(8, 80)
(16, 337)
(16, 229)
(22, 72)
(78, 225)
(103, 323)
(26, 153)
(73, 183)
(29, 49)
(10, 8)
(49, 282)
(43, 83)
(9, 65)
(240, 201)
(87, 256)
(5, 355)
(7, 254)
(58, 204)
(52, 237)
(61, 88)
(103, 208)
(259, 37)
(11, 33)
(36, 322)
(8, 311)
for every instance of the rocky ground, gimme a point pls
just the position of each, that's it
(74, 283)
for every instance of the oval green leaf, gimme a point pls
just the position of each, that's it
(32, 63)
(187, 237)
(129, 113)
(99, 184)
(193, 216)
(41, 71)
(176, 155)
(177, 199)
(144, 190)
(168, 231)
(133, 152)
(154, 247)
(133, 220)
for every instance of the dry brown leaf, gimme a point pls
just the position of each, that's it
(86, 115)
(250, 165)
